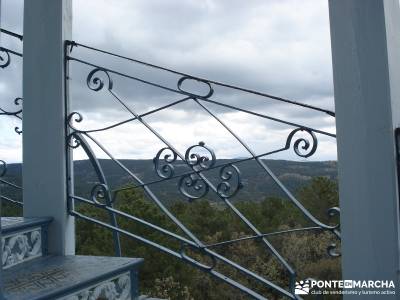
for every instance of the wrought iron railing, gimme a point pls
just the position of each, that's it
(196, 182)
(11, 188)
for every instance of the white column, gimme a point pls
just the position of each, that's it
(47, 24)
(366, 67)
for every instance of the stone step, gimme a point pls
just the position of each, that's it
(73, 278)
(23, 239)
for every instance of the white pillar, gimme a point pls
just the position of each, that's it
(366, 67)
(47, 24)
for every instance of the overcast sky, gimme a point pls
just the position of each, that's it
(277, 47)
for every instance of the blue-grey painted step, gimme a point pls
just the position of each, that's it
(73, 278)
(16, 224)
(23, 239)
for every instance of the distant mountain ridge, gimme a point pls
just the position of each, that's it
(257, 184)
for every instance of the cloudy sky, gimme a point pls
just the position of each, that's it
(277, 47)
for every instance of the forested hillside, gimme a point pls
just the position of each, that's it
(313, 183)
(169, 278)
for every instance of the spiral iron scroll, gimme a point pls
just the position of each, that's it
(165, 170)
(225, 188)
(302, 146)
(71, 140)
(95, 82)
(99, 193)
(200, 161)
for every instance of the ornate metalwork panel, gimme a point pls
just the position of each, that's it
(198, 160)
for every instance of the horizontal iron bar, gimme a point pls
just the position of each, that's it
(264, 235)
(135, 118)
(331, 113)
(125, 75)
(268, 117)
(8, 32)
(137, 237)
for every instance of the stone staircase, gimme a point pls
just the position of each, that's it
(30, 273)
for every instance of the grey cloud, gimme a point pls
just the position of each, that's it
(277, 47)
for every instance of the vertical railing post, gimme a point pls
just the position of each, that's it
(365, 38)
(47, 24)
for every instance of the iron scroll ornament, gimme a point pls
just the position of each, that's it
(167, 169)
(303, 143)
(95, 83)
(181, 81)
(191, 185)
